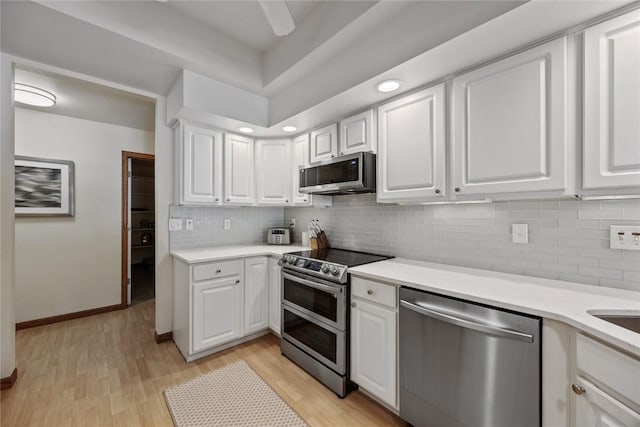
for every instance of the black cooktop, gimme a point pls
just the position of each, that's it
(341, 256)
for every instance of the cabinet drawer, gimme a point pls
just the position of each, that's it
(610, 367)
(375, 292)
(213, 270)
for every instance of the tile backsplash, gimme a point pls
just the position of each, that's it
(568, 240)
(248, 226)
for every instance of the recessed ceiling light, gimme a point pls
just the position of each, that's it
(31, 95)
(245, 129)
(289, 128)
(388, 85)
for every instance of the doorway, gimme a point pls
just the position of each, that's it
(138, 228)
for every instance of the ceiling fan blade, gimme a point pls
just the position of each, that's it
(279, 17)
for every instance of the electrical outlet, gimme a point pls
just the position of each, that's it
(188, 223)
(175, 224)
(624, 237)
(293, 222)
(227, 223)
(520, 233)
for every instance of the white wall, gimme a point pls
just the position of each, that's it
(64, 265)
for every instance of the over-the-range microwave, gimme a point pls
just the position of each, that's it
(353, 173)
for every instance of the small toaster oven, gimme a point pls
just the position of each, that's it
(279, 236)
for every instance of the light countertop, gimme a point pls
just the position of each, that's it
(552, 299)
(192, 256)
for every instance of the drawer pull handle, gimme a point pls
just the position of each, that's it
(353, 304)
(577, 389)
(370, 291)
(218, 271)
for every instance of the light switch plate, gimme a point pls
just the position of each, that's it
(520, 233)
(175, 224)
(625, 237)
(188, 223)
(227, 224)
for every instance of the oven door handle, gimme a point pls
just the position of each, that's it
(331, 289)
(468, 324)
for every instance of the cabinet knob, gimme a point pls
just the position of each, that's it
(305, 200)
(342, 153)
(237, 281)
(353, 304)
(577, 389)
(218, 271)
(228, 200)
(286, 201)
(333, 155)
(217, 199)
(457, 189)
(370, 291)
(437, 191)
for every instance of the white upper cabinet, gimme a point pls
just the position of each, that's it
(324, 143)
(611, 151)
(358, 133)
(199, 174)
(273, 183)
(299, 157)
(509, 126)
(411, 147)
(238, 170)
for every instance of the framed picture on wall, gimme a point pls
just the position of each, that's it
(44, 187)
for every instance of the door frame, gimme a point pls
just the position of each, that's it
(126, 155)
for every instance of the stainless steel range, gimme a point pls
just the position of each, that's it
(315, 312)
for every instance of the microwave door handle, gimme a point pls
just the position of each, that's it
(468, 324)
(319, 286)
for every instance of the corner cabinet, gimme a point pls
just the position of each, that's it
(411, 147)
(238, 170)
(374, 322)
(611, 152)
(272, 160)
(256, 300)
(198, 174)
(358, 133)
(324, 143)
(509, 126)
(275, 295)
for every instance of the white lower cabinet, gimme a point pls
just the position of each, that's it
(374, 319)
(217, 312)
(256, 302)
(596, 408)
(275, 292)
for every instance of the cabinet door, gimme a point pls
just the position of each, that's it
(300, 157)
(358, 133)
(324, 143)
(509, 125)
(275, 286)
(612, 104)
(272, 172)
(201, 172)
(217, 312)
(373, 350)
(238, 168)
(596, 408)
(411, 147)
(256, 298)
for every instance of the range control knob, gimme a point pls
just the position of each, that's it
(325, 268)
(292, 260)
(335, 270)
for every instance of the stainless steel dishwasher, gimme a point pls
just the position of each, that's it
(465, 364)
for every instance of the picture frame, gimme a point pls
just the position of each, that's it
(44, 187)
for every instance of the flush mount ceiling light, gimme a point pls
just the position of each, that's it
(388, 85)
(245, 129)
(31, 95)
(289, 128)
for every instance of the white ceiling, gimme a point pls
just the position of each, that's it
(338, 50)
(242, 20)
(90, 101)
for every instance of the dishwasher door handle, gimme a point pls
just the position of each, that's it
(468, 324)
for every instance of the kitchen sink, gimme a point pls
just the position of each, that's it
(626, 319)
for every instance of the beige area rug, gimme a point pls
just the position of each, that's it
(231, 396)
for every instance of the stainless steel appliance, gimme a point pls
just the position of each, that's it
(315, 312)
(354, 173)
(279, 236)
(464, 364)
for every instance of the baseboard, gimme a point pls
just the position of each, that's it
(68, 316)
(9, 381)
(160, 338)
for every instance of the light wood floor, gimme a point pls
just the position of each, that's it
(106, 370)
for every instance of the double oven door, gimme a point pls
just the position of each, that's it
(314, 318)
